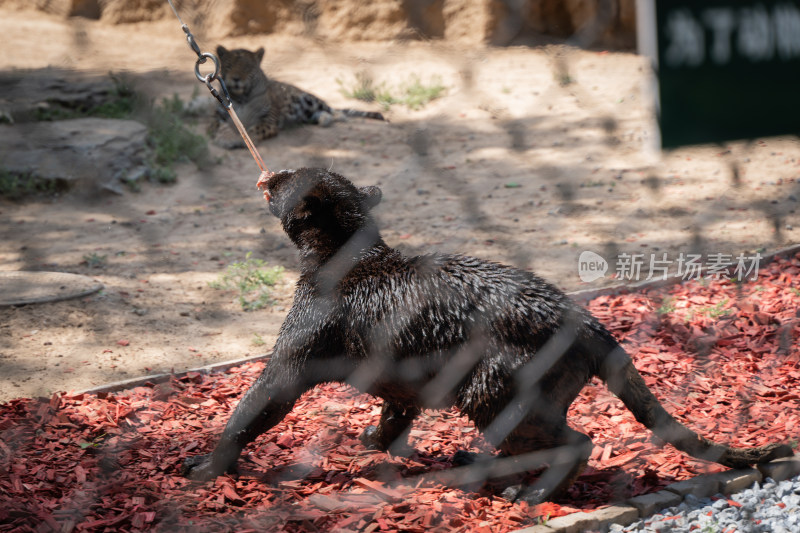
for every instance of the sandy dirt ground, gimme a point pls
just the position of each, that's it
(531, 157)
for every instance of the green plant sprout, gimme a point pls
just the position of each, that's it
(252, 280)
(415, 94)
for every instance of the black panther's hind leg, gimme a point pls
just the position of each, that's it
(565, 451)
(392, 430)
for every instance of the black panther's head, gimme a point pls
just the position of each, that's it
(321, 210)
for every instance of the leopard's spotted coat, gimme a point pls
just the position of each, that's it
(264, 105)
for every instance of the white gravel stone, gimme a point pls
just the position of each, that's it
(767, 507)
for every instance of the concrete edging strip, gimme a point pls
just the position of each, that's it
(702, 486)
(160, 378)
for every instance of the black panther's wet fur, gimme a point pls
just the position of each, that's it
(507, 348)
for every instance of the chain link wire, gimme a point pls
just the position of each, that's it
(570, 86)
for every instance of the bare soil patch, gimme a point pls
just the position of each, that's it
(532, 156)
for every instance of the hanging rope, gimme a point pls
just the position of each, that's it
(224, 99)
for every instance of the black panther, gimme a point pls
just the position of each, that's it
(510, 350)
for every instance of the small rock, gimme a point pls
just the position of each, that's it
(83, 145)
(113, 188)
(691, 499)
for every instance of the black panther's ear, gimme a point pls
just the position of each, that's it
(260, 54)
(370, 196)
(221, 51)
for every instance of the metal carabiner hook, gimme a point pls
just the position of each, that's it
(202, 59)
(224, 101)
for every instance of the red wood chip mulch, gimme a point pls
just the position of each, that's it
(722, 357)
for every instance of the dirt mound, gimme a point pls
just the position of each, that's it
(586, 22)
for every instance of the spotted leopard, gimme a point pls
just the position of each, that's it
(264, 105)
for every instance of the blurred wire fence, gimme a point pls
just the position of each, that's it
(545, 153)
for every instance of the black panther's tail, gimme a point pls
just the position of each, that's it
(362, 114)
(622, 378)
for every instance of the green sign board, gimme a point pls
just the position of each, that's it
(727, 69)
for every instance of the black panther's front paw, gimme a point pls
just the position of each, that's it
(204, 468)
(370, 437)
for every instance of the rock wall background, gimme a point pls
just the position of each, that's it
(609, 23)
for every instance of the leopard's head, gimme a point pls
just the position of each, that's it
(322, 211)
(240, 69)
